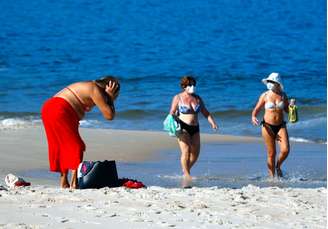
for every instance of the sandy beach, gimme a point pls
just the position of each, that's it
(156, 207)
(45, 205)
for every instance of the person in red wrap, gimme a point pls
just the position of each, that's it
(61, 115)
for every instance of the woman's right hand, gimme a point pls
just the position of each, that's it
(255, 121)
(215, 127)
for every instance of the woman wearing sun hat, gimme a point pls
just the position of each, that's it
(275, 103)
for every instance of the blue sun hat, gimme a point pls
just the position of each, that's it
(274, 77)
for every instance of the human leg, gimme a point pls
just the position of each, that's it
(270, 143)
(63, 180)
(71, 152)
(74, 183)
(284, 149)
(48, 117)
(184, 144)
(71, 146)
(65, 144)
(195, 149)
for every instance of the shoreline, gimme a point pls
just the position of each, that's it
(27, 148)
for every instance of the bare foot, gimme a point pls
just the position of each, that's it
(186, 181)
(65, 186)
(74, 182)
(279, 172)
(74, 186)
(63, 181)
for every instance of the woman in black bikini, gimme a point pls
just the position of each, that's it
(186, 106)
(275, 103)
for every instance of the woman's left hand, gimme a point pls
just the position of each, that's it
(111, 88)
(215, 127)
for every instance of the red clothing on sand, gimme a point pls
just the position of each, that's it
(65, 145)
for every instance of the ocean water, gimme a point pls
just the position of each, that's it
(228, 45)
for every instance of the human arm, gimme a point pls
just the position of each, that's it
(174, 105)
(208, 115)
(104, 99)
(257, 109)
(286, 102)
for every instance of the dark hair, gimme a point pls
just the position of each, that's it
(186, 81)
(103, 82)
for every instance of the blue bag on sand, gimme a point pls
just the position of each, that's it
(171, 125)
(97, 174)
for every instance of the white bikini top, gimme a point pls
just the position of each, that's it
(277, 105)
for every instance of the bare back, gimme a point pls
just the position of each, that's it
(83, 96)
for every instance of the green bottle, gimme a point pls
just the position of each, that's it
(292, 112)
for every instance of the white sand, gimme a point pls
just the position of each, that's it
(155, 207)
(45, 205)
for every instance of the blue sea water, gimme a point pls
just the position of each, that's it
(228, 45)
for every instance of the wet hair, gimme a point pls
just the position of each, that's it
(187, 81)
(104, 81)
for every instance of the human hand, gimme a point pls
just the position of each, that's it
(215, 127)
(292, 102)
(255, 121)
(111, 89)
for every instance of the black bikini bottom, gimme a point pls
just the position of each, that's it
(274, 128)
(191, 130)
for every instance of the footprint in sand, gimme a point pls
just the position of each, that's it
(64, 220)
(166, 224)
(113, 215)
(89, 207)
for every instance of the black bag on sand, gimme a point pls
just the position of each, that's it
(97, 174)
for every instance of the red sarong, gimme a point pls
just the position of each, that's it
(65, 145)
